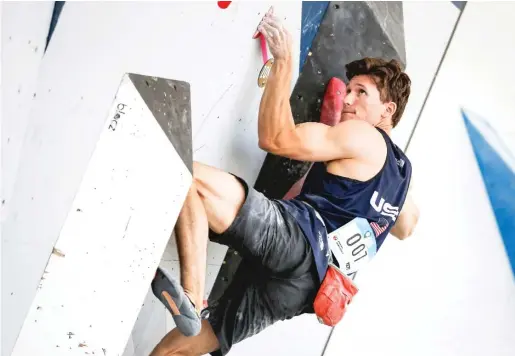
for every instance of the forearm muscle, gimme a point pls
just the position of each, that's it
(275, 111)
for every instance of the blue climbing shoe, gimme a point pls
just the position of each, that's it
(172, 295)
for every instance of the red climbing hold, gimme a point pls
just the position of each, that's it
(224, 4)
(332, 105)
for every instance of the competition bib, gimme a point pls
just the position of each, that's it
(353, 245)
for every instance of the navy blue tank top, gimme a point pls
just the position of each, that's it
(338, 200)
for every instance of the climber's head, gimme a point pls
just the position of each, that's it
(378, 92)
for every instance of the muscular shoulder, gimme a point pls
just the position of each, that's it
(315, 142)
(361, 138)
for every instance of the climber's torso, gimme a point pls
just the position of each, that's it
(345, 197)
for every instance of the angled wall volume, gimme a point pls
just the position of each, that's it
(118, 225)
(170, 103)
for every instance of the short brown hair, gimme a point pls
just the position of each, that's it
(393, 84)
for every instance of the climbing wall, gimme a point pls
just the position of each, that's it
(73, 86)
(24, 31)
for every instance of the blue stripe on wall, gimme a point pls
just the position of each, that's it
(312, 14)
(499, 180)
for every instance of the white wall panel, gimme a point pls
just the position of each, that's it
(399, 307)
(425, 45)
(24, 32)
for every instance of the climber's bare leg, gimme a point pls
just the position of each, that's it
(213, 202)
(175, 343)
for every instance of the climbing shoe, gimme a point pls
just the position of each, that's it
(172, 295)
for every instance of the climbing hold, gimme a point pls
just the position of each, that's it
(264, 73)
(224, 4)
(332, 105)
(267, 62)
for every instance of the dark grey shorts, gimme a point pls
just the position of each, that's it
(277, 278)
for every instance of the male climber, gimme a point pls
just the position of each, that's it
(358, 173)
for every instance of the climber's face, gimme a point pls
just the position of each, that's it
(363, 102)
